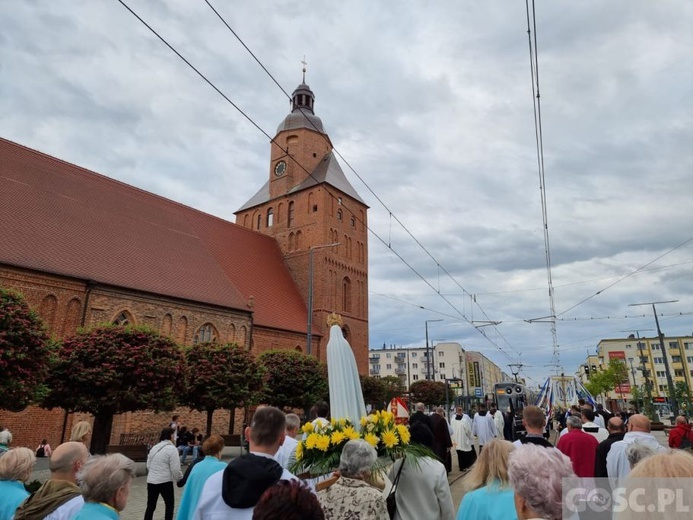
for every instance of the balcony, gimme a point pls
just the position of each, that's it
(400, 356)
(375, 371)
(374, 359)
(401, 370)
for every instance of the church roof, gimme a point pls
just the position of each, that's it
(59, 218)
(327, 171)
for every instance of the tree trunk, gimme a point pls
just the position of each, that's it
(232, 421)
(101, 435)
(210, 413)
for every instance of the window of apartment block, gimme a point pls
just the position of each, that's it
(655, 346)
(676, 359)
(413, 354)
(388, 366)
(679, 373)
(658, 360)
(441, 365)
(673, 344)
(388, 355)
(415, 365)
(441, 353)
(415, 377)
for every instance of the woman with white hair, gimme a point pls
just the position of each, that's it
(5, 440)
(105, 484)
(535, 474)
(351, 496)
(15, 469)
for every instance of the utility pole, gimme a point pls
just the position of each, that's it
(309, 332)
(632, 371)
(665, 357)
(428, 351)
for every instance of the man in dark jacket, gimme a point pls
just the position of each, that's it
(420, 416)
(616, 432)
(442, 443)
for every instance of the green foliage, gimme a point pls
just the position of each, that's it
(374, 390)
(683, 398)
(604, 381)
(112, 369)
(428, 392)
(25, 352)
(393, 387)
(294, 379)
(222, 376)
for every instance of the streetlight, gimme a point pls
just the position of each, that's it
(670, 381)
(428, 353)
(310, 296)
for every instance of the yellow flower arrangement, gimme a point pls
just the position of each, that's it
(320, 449)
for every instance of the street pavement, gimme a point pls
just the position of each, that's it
(137, 502)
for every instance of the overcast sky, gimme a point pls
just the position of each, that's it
(430, 102)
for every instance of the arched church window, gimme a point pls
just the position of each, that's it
(206, 333)
(339, 215)
(270, 217)
(346, 294)
(353, 221)
(290, 221)
(123, 319)
(299, 236)
(259, 221)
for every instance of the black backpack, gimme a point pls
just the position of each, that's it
(40, 452)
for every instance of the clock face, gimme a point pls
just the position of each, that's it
(280, 168)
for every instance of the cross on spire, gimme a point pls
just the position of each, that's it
(304, 67)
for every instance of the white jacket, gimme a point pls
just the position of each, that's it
(462, 436)
(163, 464)
(423, 491)
(617, 465)
(499, 421)
(484, 428)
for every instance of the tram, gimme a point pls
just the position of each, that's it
(513, 397)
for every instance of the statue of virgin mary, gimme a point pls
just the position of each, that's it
(346, 397)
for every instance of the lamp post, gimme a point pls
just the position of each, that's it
(309, 334)
(428, 352)
(665, 358)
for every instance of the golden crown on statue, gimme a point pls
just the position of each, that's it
(334, 319)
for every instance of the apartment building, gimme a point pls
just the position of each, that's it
(476, 374)
(645, 362)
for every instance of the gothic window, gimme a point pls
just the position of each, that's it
(123, 319)
(246, 221)
(270, 217)
(167, 325)
(346, 294)
(299, 236)
(298, 348)
(339, 215)
(291, 214)
(72, 315)
(182, 330)
(353, 221)
(48, 308)
(292, 241)
(259, 221)
(206, 333)
(280, 209)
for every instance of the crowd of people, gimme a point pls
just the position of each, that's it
(502, 479)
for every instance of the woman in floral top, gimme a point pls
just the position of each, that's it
(351, 497)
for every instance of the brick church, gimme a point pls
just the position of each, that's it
(85, 249)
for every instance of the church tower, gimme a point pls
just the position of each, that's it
(319, 222)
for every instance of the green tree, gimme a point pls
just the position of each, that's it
(112, 369)
(374, 391)
(25, 352)
(222, 376)
(428, 392)
(683, 398)
(393, 387)
(294, 379)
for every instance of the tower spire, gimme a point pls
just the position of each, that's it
(304, 68)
